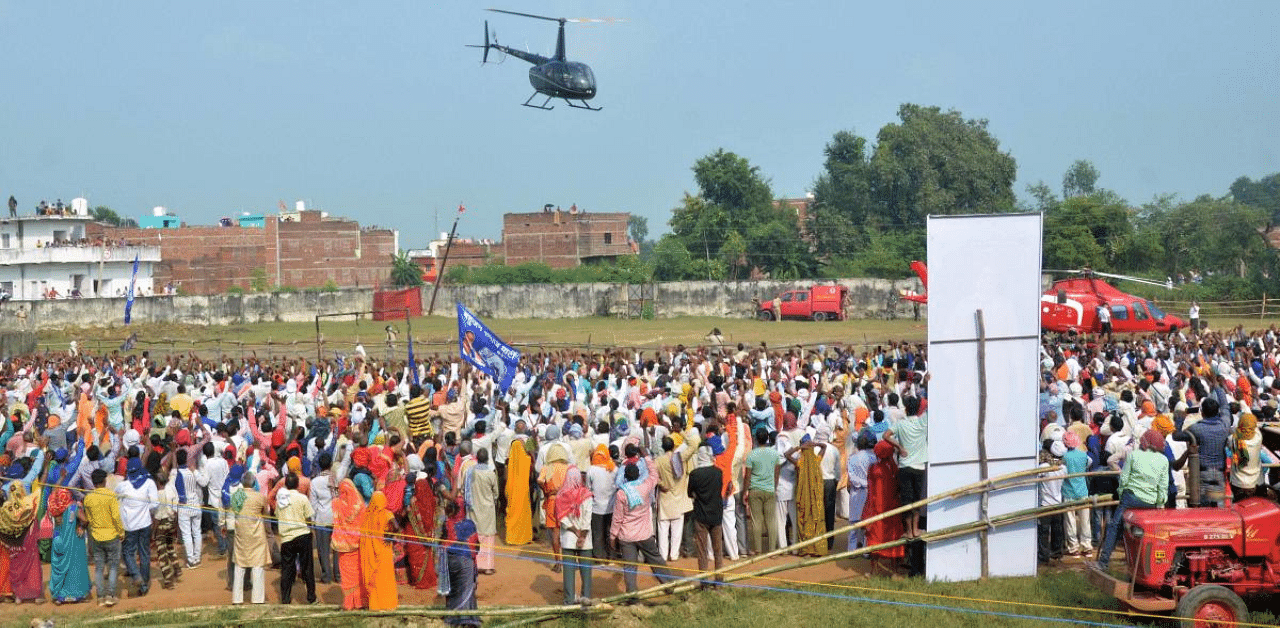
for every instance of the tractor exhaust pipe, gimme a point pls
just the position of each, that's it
(1193, 472)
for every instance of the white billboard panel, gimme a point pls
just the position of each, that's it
(989, 263)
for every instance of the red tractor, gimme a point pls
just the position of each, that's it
(1198, 563)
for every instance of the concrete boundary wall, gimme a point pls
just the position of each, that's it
(868, 298)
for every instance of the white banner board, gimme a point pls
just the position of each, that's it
(989, 263)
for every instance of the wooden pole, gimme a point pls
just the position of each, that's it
(983, 544)
(445, 260)
(319, 357)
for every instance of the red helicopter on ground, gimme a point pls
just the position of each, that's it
(1070, 306)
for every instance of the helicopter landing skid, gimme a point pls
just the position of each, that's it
(584, 105)
(543, 106)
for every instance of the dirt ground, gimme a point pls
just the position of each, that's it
(521, 579)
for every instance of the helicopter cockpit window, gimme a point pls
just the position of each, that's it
(1139, 312)
(1156, 312)
(1119, 313)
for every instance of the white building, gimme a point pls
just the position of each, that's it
(42, 256)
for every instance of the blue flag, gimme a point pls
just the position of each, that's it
(128, 302)
(484, 350)
(413, 365)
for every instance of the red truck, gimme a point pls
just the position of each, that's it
(819, 303)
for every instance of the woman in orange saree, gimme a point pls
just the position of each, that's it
(377, 569)
(519, 510)
(348, 511)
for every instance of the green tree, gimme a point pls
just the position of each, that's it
(733, 253)
(102, 213)
(1045, 201)
(258, 279)
(734, 198)
(1094, 231)
(671, 260)
(936, 162)
(1081, 179)
(404, 272)
(1211, 235)
(638, 229)
(842, 204)
(1263, 194)
(870, 203)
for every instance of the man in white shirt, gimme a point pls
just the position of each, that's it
(138, 500)
(215, 471)
(188, 484)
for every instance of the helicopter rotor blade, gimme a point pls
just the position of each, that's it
(595, 20)
(1130, 278)
(1087, 271)
(536, 17)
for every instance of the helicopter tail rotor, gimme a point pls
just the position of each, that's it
(488, 43)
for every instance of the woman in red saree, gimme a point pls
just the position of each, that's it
(422, 523)
(394, 491)
(348, 511)
(882, 496)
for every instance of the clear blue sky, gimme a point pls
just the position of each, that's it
(375, 110)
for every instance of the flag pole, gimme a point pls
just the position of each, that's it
(445, 260)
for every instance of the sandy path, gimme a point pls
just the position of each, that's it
(520, 579)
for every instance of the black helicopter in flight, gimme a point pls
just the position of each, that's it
(555, 76)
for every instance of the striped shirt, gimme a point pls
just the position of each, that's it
(418, 411)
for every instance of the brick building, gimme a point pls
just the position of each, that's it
(801, 207)
(303, 249)
(564, 239)
(464, 252)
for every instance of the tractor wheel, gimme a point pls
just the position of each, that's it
(1211, 606)
(765, 315)
(819, 316)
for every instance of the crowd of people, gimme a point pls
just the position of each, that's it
(378, 476)
(1139, 408)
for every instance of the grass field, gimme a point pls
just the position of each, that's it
(439, 333)
(1059, 596)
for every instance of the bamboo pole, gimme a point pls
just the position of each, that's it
(938, 535)
(982, 439)
(963, 529)
(962, 491)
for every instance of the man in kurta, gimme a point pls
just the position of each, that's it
(673, 492)
(550, 479)
(482, 506)
(251, 540)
